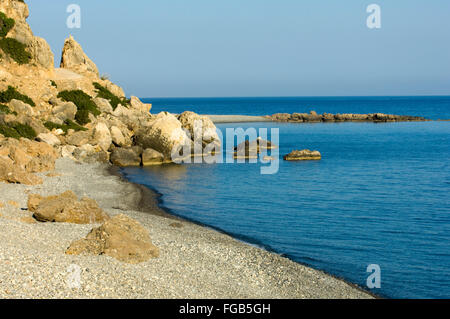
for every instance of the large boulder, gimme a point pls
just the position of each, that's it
(65, 208)
(120, 237)
(136, 104)
(130, 156)
(117, 136)
(21, 108)
(49, 138)
(102, 136)
(14, 174)
(30, 156)
(73, 58)
(165, 135)
(201, 128)
(79, 138)
(65, 111)
(103, 105)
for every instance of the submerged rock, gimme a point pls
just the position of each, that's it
(249, 150)
(65, 208)
(120, 237)
(303, 155)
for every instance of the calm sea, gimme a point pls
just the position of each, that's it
(380, 195)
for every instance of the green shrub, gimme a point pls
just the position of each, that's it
(12, 94)
(25, 131)
(54, 83)
(15, 50)
(84, 104)
(106, 94)
(4, 109)
(68, 124)
(18, 130)
(6, 24)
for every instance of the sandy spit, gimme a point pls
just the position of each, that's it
(195, 261)
(217, 119)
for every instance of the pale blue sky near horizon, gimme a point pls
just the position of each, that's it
(204, 48)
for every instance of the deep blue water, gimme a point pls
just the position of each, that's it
(380, 194)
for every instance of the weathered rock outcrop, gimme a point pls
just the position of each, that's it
(21, 158)
(38, 48)
(73, 58)
(66, 208)
(303, 155)
(120, 237)
(313, 117)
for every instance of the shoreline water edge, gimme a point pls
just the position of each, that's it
(195, 261)
(151, 198)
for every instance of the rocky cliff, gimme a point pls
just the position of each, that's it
(81, 115)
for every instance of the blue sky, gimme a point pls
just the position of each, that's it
(196, 48)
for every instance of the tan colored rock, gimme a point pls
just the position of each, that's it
(13, 174)
(49, 138)
(120, 237)
(164, 135)
(65, 111)
(88, 153)
(103, 105)
(67, 151)
(136, 104)
(201, 128)
(79, 138)
(102, 136)
(41, 52)
(117, 136)
(73, 58)
(21, 108)
(123, 157)
(303, 155)
(121, 111)
(65, 208)
(152, 157)
(38, 47)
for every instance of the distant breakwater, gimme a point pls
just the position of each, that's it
(313, 117)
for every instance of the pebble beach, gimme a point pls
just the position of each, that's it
(194, 261)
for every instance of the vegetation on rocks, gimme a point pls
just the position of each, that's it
(12, 94)
(6, 24)
(4, 109)
(68, 125)
(18, 130)
(16, 50)
(84, 104)
(106, 94)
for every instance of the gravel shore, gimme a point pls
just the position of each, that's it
(195, 261)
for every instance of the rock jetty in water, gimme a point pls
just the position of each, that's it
(313, 117)
(303, 155)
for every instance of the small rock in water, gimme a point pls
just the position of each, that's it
(303, 155)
